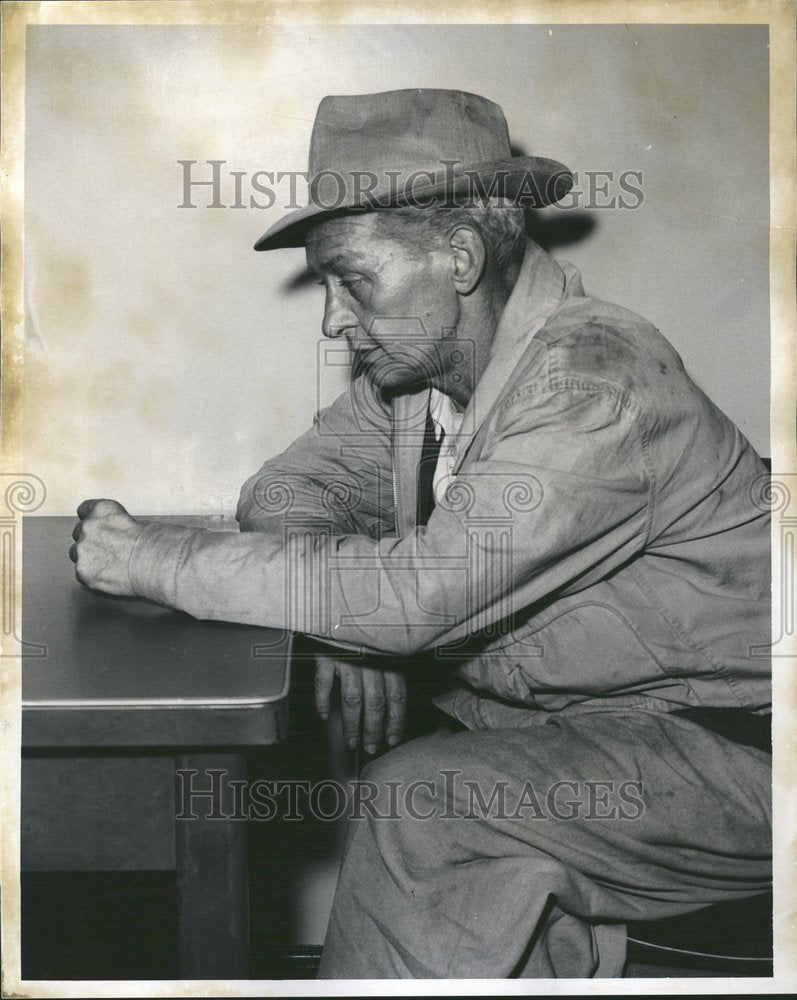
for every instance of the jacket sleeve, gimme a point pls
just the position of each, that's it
(560, 497)
(336, 476)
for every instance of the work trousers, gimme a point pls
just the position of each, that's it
(525, 851)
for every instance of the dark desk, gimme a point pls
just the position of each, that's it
(117, 696)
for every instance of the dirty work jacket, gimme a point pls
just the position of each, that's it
(599, 544)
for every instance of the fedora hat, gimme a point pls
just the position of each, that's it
(413, 147)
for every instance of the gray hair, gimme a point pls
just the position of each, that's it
(500, 223)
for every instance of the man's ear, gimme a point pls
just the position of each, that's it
(469, 258)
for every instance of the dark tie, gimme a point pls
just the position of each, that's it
(429, 455)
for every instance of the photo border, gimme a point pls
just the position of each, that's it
(780, 16)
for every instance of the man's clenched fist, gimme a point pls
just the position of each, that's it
(104, 539)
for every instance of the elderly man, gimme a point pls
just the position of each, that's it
(522, 490)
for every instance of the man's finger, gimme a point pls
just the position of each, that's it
(351, 701)
(396, 693)
(99, 508)
(374, 708)
(324, 679)
(85, 508)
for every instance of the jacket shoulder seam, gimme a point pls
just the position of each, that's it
(590, 387)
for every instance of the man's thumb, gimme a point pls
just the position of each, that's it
(100, 508)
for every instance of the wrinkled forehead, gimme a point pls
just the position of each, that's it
(348, 237)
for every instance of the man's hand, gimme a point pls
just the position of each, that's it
(377, 697)
(104, 538)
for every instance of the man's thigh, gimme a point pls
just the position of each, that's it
(623, 815)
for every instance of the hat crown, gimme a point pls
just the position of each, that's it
(405, 128)
(409, 147)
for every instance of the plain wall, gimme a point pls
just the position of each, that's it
(165, 359)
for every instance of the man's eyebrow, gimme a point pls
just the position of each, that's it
(337, 262)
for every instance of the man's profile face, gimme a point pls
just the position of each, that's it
(392, 301)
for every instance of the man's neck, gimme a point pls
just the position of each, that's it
(480, 314)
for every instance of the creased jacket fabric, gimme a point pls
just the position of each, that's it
(600, 544)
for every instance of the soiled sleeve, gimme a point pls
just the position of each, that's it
(336, 476)
(560, 496)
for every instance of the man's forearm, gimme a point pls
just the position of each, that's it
(227, 576)
(295, 581)
(286, 581)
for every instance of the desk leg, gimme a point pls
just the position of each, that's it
(212, 876)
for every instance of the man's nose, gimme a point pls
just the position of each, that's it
(338, 317)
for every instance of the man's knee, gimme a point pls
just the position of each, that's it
(402, 783)
(419, 758)
(430, 759)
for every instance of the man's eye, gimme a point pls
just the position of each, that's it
(349, 284)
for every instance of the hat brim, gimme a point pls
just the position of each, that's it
(529, 181)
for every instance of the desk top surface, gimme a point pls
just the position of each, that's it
(90, 650)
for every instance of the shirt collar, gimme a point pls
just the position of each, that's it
(447, 419)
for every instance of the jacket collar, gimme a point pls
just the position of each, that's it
(540, 288)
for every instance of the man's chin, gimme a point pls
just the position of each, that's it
(387, 375)
(395, 383)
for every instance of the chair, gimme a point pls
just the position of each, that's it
(725, 939)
